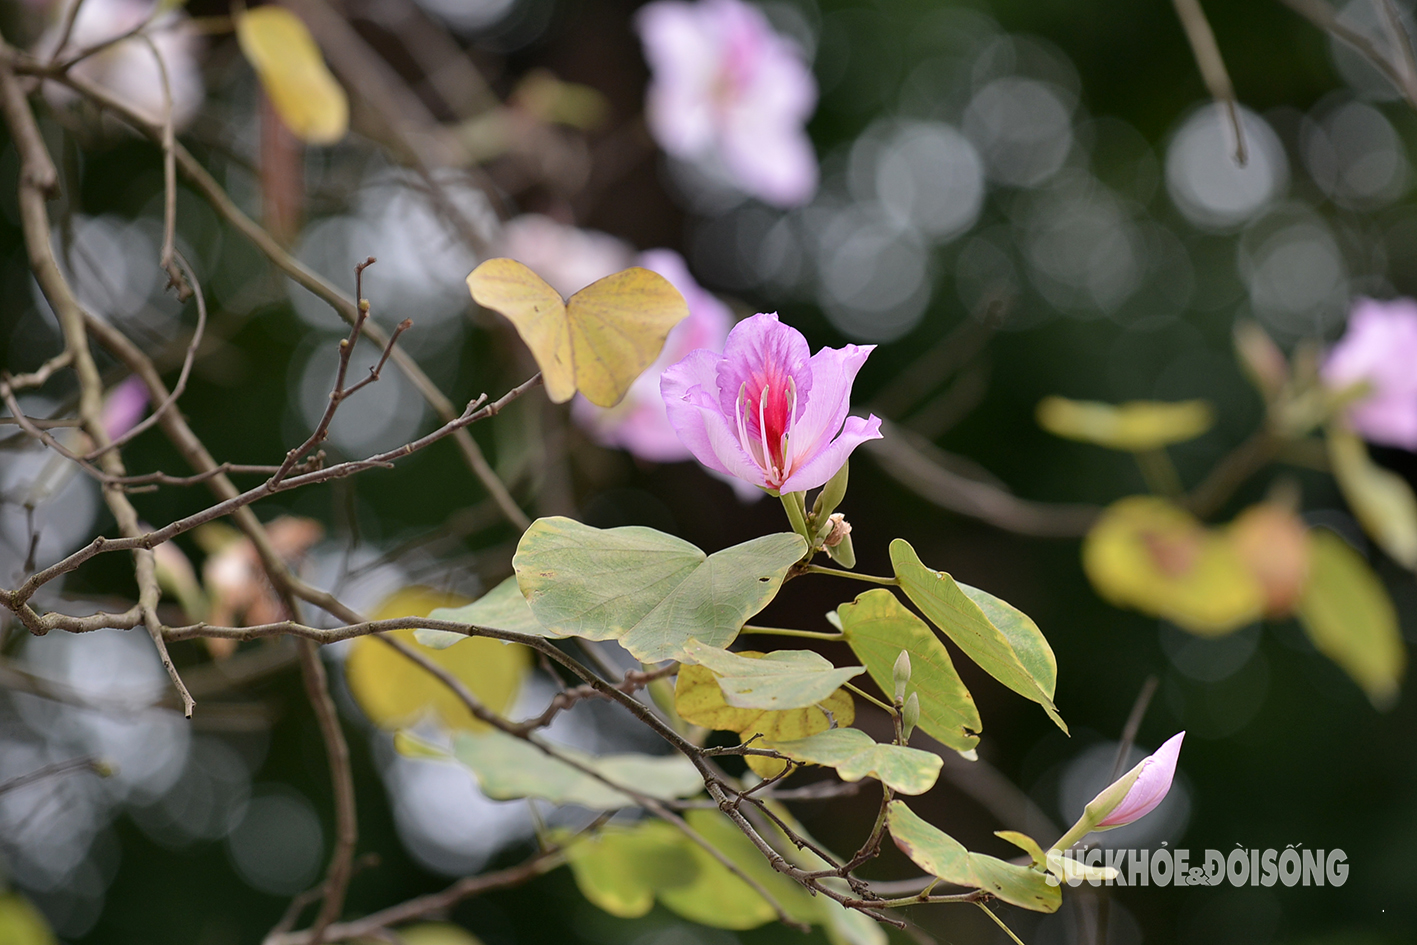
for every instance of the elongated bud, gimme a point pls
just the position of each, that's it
(831, 495)
(909, 716)
(901, 675)
(1130, 797)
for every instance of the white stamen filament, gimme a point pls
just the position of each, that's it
(774, 474)
(787, 441)
(742, 427)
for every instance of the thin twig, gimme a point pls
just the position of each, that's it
(1129, 731)
(1212, 69)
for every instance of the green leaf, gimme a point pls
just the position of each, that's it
(1348, 615)
(1031, 674)
(856, 755)
(1028, 642)
(1027, 844)
(1136, 426)
(1381, 500)
(877, 627)
(720, 899)
(939, 854)
(786, 679)
(619, 868)
(649, 590)
(502, 608)
(508, 767)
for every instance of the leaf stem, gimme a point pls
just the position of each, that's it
(837, 572)
(890, 709)
(786, 632)
(998, 921)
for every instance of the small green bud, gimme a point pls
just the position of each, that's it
(831, 495)
(909, 716)
(901, 674)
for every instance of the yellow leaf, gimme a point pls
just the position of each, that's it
(437, 933)
(288, 62)
(1348, 615)
(1381, 500)
(396, 693)
(21, 923)
(698, 698)
(599, 341)
(1136, 426)
(1148, 554)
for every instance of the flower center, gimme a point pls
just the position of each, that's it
(775, 409)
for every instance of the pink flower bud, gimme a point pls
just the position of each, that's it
(1152, 781)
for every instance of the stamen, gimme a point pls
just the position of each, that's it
(787, 440)
(773, 472)
(742, 427)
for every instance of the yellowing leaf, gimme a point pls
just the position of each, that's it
(786, 679)
(1381, 500)
(21, 923)
(1348, 615)
(1135, 426)
(1147, 554)
(395, 692)
(939, 854)
(288, 62)
(598, 341)
(437, 933)
(619, 868)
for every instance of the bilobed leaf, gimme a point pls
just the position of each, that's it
(508, 767)
(786, 679)
(856, 755)
(649, 590)
(396, 692)
(1348, 615)
(877, 627)
(1381, 500)
(948, 607)
(1146, 553)
(1135, 426)
(939, 854)
(288, 62)
(599, 340)
(502, 608)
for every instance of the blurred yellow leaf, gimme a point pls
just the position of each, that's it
(1350, 618)
(699, 700)
(1136, 426)
(1273, 543)
(1150, 555)
(598, 341)
(437, 933)
(1381, 500)
(395, 692)
(21, 923)
(288, 62)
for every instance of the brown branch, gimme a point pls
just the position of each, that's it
(1212, 68)
(337, 876)
(1319, 13)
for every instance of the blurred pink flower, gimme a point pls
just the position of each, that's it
(1380, 347)
(1156, 771)
(128, 69)
(767, 411)
(568, 258)
(640, 423)
(729, 93)
(124, 406)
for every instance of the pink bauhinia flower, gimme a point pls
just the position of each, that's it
(731, 95)
(1151, 780)
(1380, 347)
(767, 411)
(639, 424)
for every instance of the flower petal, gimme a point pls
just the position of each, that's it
(760, 352)
(833, 372)
(1151, 785)
(690, 396)
(821, 467)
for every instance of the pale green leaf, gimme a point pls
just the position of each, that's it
(877, 627)
(649, 590)
(502, 608)
(856, 755)
(619, 868)
(508, 767)
(786, 679)
(1134, 426)
(949, 608)
(939, 854)
(1027, 844)
(1381, 500)
(1348, 615)
(1023, 635)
